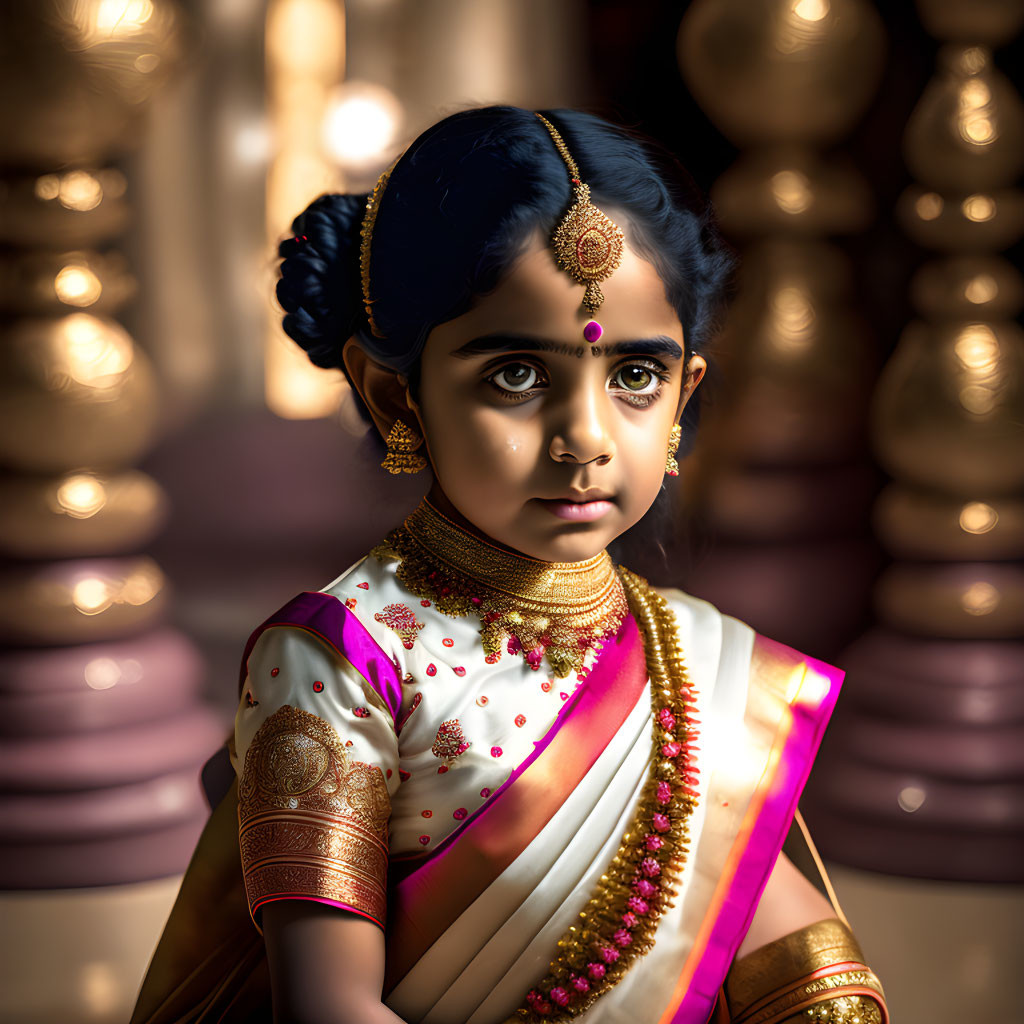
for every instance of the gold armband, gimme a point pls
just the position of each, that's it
(814, 976)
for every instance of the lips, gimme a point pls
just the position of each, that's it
(579, 511)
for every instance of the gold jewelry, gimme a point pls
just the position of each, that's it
(674, 437)
(587, 244)
(557, 610)
(617, 926)
(402, 443)
(815, 975)
(365, 236)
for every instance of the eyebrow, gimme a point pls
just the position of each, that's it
(491, 344)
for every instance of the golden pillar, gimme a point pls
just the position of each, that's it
(778, 473)
(924, 768)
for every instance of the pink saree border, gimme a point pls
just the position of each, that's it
(329, 620)
(760, 837)
(424, 904)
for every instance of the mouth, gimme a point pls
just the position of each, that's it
(585, 508)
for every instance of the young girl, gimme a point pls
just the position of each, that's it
(486, 775)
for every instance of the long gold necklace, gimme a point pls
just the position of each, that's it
(618, 923)
(553, 610)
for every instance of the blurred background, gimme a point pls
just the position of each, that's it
(171, 470)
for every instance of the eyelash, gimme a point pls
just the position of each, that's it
(639, 401)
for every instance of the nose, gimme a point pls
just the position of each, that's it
(580, 430)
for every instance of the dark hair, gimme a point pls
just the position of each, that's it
(458, 209)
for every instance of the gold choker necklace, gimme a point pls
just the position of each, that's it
(557, 610)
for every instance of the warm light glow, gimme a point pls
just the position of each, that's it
(361, 123)
(305, 55)
(911, 798)
(811, 10)
(975, 116)
(980, 289)
(80, 496)
(792, 319)
(48, 186)
(146, 62)
(102, 673)
(791, 190)
(122, 17)
(96, 353)
(978, 207)
(80, 191)
(77, 286)
(974, 59)
(91, 595)
(980, 599)
(977, 517)
(928, 206)
(977, 349)
(100, 989)
(113, 183)
(252, 142)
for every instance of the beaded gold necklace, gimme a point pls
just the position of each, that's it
(553, 610)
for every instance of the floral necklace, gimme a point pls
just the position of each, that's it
(554, 610)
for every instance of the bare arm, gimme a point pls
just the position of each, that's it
(326, 965)
(789, 902)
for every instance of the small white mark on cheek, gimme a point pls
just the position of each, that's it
(513, 444)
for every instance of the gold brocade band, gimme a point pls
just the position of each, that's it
(311, 823)
(557, 610)
(814, 974)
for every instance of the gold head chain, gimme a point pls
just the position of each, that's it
(587, 244)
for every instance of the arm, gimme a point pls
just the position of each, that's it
(326, 966)
(789, 902)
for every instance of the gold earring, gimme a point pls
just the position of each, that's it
(674, 437)
(402, 443)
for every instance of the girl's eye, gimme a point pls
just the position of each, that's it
(515, 378)
(639, 380)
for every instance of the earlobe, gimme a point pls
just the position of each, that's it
(383, 391)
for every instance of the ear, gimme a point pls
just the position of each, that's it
(384, 392)
(695, 370)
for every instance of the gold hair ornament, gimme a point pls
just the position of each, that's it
(674, 437)
(587, 244)
(365, 236)
(402, 442)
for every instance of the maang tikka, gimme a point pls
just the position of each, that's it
(587, 244)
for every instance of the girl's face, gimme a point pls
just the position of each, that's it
(544, 443)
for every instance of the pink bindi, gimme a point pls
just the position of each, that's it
(592, 331)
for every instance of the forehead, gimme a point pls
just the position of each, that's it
(537, 298)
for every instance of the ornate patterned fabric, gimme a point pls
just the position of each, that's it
(312, 823)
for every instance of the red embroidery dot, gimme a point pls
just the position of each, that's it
(459, 671)
(425, 603)
(363, 586)
(564, 696)
(431, 670)
(459, 814)
(485, 792)
(317, 685)
(520, 720)
(482, 700)
(348, 743)
(361, 712)
(546, 686)
(402, 774)
(495, 751)
(274, 671)
(350, 602)
(424, 840)
(442, 769)
(387, 774)
(448, 642)
(427, 814)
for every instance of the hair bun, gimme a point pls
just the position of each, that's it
(319, 287)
